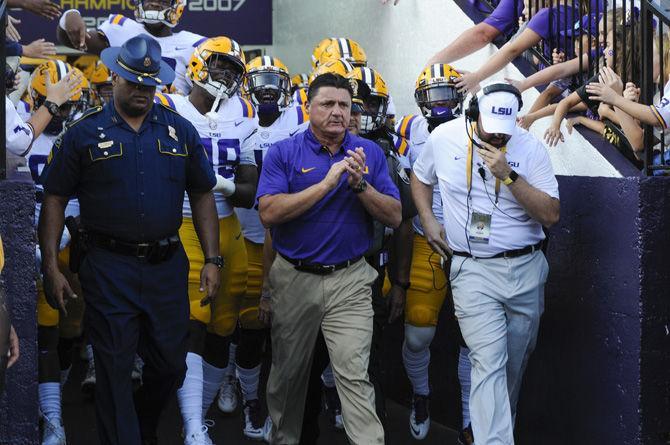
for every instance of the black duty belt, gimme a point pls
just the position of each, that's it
(319, 269)
(508, 253)
(154, 251)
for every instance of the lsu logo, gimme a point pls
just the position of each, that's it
(501, 111)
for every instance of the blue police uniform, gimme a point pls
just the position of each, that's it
(131, 188)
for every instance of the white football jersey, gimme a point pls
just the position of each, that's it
(292, 121)
(37, 159)
(176, 49)
(226, 140)
(18, 134)
(413, 131)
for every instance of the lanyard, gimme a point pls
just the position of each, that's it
(469, 166)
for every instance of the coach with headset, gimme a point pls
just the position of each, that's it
(498, 190)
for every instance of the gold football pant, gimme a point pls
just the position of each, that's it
(221, 315)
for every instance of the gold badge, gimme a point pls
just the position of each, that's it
(147, 61)
(173, 133)
(106, 144)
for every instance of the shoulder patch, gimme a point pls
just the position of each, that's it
(87, 113)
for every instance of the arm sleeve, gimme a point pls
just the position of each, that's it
(584, 96)
(540, 23)
(424, 166)
(18, 134)
(273, 180)
(542, 174)
(62, 171)
(200, 176)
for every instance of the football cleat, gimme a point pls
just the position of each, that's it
(254, 422)
(227, 401)
(419, 418)
(199, 437)
(52, 432)
(333, 407)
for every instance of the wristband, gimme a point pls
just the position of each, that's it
(225, 186)
(61, 22)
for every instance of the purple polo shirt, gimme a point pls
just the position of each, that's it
(506, 15)
(337, 228)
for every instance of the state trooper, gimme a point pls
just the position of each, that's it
(130, 163)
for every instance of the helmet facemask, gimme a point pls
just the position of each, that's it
(165, 14)
(439, 103)
(374, 109)
(269, 91)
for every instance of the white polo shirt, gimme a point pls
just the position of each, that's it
(443, 161)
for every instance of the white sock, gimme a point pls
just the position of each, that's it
(189, 395)
(327, 376)
(212, 380)
(249, 382)
(464, 368)
(89, 355)
(416, 366)
(231, 360)
(49, 397)
(64, 374)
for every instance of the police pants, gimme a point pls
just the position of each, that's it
(133, 306)
(340, 305)
(498, 303)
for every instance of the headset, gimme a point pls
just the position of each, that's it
(472, 112)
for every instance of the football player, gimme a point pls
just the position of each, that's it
(341, 48)
(268, 87)
(156, 18)
(52, 346)
(389, 253)
(299, 85)
(225, 122)
(439, 102)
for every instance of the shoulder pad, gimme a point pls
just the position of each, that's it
(87, 113)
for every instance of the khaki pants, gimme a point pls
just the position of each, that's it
(341, 305)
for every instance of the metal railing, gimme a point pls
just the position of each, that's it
(638, 27)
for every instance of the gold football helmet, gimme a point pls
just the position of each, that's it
(340, 66)
(55, 70)
(299, 81)
(268, 82)
(218, 66)
(436, 94)
(318, 49)
(371, 91)
(345, 49)
(168, 16)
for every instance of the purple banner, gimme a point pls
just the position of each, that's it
(247, 21)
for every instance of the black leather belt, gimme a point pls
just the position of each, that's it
(508, 253)
(319, 269)
(154, 252)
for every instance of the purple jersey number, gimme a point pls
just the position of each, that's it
(225, 158)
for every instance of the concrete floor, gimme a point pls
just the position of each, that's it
(79, 418)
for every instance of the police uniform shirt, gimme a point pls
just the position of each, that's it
(18, 134)
(292, 121)
(414, 133)
(443, 161)
(130, 184)
(227, 139)
(176, 49)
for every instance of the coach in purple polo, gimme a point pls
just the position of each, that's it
(319, 192)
